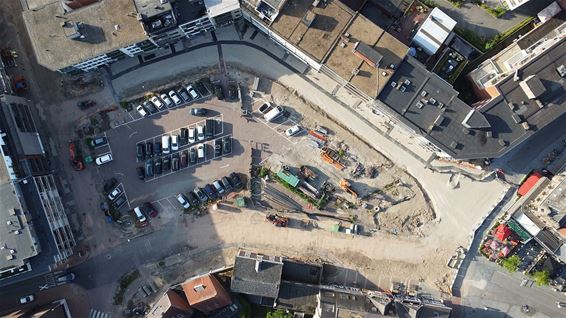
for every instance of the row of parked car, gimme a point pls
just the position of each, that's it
(180, 160)
(210, 192)
(172, 99)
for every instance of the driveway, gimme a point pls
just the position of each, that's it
(472, 17)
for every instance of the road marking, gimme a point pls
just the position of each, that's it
(132, 134)
(132, 117)
(125, 195)
(221, 116)
(44, 287)
(225, 166)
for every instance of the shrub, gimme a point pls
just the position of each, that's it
(429, 3)
(456, 3)
(496, 12)
(511, 263)
(263, 172)
(279, 313)
(541, 277)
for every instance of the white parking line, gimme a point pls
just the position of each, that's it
(108, 143)
(125, 195)
(274, 128)
(132, 117)
(221, 116)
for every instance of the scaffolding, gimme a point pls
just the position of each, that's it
(56, 216)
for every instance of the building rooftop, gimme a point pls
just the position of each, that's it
(434, 31)
(350, 67)
(335, 304)
(301, 272)
(106, 25)
(16, 241)
(171, 304)
(298, 297)
(431, 106)
(206, 294)
(315, 36)
(151, 8)
(218, 7)
(257, 274)
(186, 10)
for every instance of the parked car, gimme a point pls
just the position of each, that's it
(226, 184)
(149, 209)
(156, 102)
(109, 185)
(149, 168)
(265, 108)
(141, 173)
(175, 98)
(140, 152)
(168, 102)
(166, 164)
(150, 107)
(200, 151)
(66, 278)
(210, 192)
(149, 149)
(157, 148)
(98, 142)
(218, 187)
(199, 111)
(200, 133)
(119, 202)
(200, 194)
(158, 166)
(174, 142)
(226, 144)
(184, 161)
(193, 198)
(184, 95)
(192, 135)
(165, 149)
(140, 217)
(209, 128)
(175, 163)
(104, 159)
(184, 136)
(236, 181)
(191, 90)
(141, 111)
(183, 201)
(192, 155)
(218, 91)
(273, 114)
(217, 147)
(27, 299)
(293, 130)
(561, 304)
(114, 193)
(76, 158)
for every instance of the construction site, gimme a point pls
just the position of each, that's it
(334, 180)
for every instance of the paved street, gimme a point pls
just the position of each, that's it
(472, 17)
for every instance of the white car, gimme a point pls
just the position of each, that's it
(104, 159)
(167, 100)
(183, 201)
(200, 133)
(192, 91)
(141, 110)
(114, 193)
(155, 101)
(192, 135)
(27, 299)
(174, 142)
(175, 98)
(293, 130)
(200, 151)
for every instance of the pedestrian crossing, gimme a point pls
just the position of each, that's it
(98, 314)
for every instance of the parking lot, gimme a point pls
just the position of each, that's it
(242, 133)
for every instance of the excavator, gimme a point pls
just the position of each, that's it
(346, 186)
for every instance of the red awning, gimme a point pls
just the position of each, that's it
(529, 183)
(502, 232)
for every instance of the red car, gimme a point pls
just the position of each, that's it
(76, 159)
(148, 209)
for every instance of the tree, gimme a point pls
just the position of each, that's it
(511, 263)
(541, 277)
(279, 313)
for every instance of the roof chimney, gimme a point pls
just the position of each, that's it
(199, 288)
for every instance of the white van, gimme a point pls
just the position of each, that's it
(139, 215)
(200, 151)
(273, 114)
(165, 144)
(192, 135)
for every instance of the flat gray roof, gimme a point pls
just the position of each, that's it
(264, 281)
(55, 51)
(151, 8)
(12, 219)
(441, 121)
